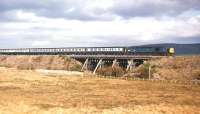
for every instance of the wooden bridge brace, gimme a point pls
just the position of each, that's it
(131, 64)
(115, 63)
(85, 65)
(99, 64)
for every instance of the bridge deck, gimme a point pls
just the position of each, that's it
(115, 56)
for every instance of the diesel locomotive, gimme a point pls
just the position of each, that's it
(137, 50)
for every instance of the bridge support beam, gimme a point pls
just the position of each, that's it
(130, 65)
(99, 64)
(115, 63)
(85, 65)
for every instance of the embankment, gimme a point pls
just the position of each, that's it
(169, 68)
(178, 68)
(40, 62)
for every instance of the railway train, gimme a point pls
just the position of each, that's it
(137, 50)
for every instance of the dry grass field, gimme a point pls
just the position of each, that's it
(31, 92)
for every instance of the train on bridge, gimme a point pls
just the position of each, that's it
(137, 50)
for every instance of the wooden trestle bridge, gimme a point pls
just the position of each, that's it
(93, 62)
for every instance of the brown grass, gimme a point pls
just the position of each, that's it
(111, 71)
(23, 92)
(171, 68)
(40, 62)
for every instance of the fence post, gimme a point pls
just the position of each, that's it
(149, 72)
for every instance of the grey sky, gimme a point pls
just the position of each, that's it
(63, 23)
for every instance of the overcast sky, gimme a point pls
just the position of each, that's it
(66, 23)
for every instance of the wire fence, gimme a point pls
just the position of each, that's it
(186, 82)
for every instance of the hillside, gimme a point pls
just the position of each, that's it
(40, 62)
(176, 68)
(181, 49)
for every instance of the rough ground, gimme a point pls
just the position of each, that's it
(30, 92)
(179, 68)
(40, 62)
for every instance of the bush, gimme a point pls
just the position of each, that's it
(37, 59)
(111, 71)
(143, 70)
(26, 67)
(65, 58)
(196, 74)
(76, 67)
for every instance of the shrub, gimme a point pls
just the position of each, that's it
(37, 59)
(65, 58)
(143, 70)
(26, 67)
(76, 67)
(196, 74)
(111, 71)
